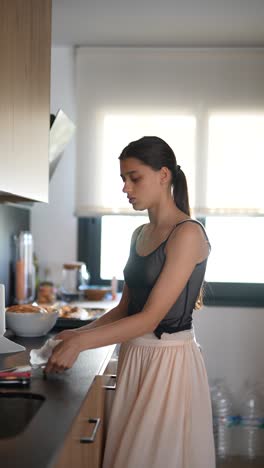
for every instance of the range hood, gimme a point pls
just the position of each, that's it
(61, 132)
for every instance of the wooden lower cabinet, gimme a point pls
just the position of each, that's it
(91, 422)
(79, 450)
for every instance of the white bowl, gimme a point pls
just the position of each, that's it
(31, 324)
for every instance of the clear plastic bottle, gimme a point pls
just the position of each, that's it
(252, 421)
(224, 419)
(213, 392)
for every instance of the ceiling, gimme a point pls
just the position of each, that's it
(164, 23)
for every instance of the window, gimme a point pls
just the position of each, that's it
(115, 243)
(222, 285)
(237, 254)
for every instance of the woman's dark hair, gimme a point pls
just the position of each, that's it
(156, 153)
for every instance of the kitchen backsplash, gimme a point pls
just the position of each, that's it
(12, 220)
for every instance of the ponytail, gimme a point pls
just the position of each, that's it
(180, 190)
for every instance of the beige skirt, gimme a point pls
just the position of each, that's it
(161, 415)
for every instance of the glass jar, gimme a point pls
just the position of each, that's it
(75, 278)
(24, 268)
(46, 293)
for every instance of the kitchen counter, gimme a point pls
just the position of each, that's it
(41, 440)
(104, 303)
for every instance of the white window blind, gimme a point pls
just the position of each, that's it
(126, 93)
(235, 164)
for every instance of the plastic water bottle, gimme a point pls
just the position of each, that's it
(252, 422)
(223, 419)
(213, 392)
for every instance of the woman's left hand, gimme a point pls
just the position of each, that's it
(64, 354)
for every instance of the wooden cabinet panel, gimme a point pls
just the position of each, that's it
(97, 405)
(109, 385)
(25, 49)
(78, 453)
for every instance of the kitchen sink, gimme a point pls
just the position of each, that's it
(16, 410)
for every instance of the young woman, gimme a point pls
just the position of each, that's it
(161, 415)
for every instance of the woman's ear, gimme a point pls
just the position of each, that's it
(165, 175)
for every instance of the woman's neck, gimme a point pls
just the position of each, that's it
(165, 214)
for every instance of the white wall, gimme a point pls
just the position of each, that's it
(53, 225)
(232, 343)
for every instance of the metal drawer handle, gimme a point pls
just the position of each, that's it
(90, 440)
(110, 387)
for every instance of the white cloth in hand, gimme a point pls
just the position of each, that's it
(39, 357)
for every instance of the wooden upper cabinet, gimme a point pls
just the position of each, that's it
(25, 50)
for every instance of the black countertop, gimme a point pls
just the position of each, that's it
(38, 445)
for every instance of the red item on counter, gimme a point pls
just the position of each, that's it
(16, 372)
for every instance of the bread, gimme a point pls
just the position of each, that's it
(49, 308)
(68, 311)
(26, 308)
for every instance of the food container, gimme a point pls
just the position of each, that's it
(75, 278)
(46, 293)
(96, 293)
(24, 268)
(72, 316)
